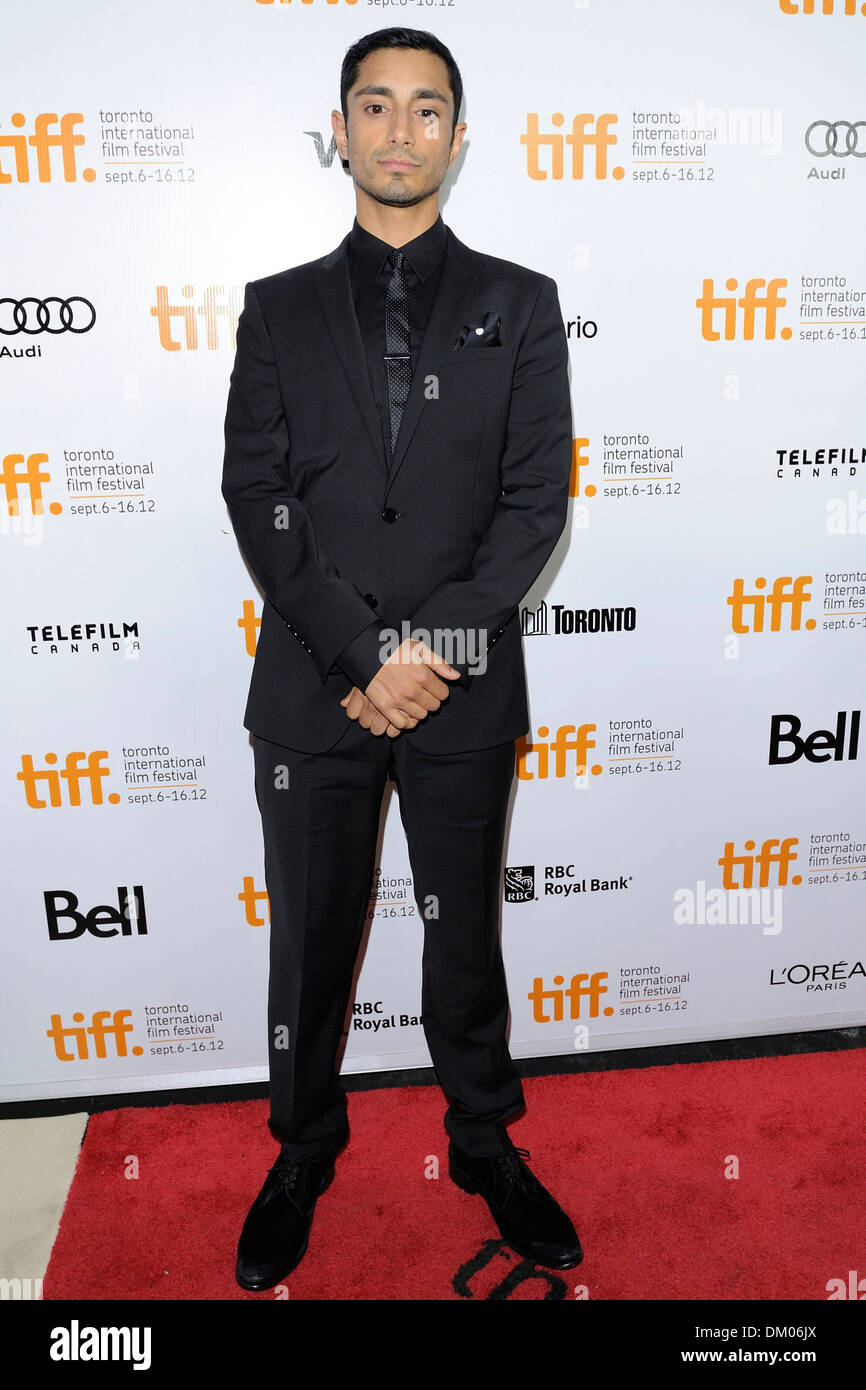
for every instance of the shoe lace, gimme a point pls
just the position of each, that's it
(513, 1170)
(286, 1171)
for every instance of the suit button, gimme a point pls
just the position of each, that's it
(371, 599)
(390, 515)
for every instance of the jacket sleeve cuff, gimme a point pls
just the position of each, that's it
(362, 658)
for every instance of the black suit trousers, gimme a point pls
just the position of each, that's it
(320, 817)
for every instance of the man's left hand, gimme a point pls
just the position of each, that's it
(357, 706)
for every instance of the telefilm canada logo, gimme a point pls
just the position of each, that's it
(84, 638)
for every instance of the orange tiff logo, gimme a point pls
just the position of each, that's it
(211, 309)
(533, 759)
(589, 987)
(251, 896)
(43, 142)
(788, 594)
(249, 625)
(99, 1030)
(753, 305)
(827, 7)
(90, 776)
(24, 471)
(579, 459)
(773, 854)
(580, 139)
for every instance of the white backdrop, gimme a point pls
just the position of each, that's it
(711, 580)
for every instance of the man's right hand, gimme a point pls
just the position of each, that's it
(407, 687)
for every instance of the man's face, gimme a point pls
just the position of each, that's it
(400, 109)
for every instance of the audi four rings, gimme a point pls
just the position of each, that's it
(43, 319)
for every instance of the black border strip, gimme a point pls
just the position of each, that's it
(619, 1059)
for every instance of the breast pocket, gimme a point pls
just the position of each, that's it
(469, 382)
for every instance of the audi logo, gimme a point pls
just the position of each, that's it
(51, 315)
(831, 139)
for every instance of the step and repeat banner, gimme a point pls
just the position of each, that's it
(686, 854)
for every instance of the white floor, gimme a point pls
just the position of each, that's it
(37, 1163)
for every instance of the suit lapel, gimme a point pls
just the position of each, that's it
(331, 275)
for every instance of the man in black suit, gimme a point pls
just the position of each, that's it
(398, 448)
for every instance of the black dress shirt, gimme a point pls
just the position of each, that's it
(370, 275)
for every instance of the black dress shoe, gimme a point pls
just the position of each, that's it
(529, 1219)
(275, 1234)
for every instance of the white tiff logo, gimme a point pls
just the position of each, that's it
(76, 1343)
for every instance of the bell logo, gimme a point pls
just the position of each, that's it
(127, 919)
(581, 987)
(42, 141)
(73, 774)
(779, 853)
(211, 310)
(560, 746)
(818, 747)
(251, 896)
(751, 303)
(249, 625)
(580, 138)
(99, 1030)
(25, 471)
(786, 593)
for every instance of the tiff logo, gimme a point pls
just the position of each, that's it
(580, 139)
(251, 896)
(43, 141)
(92, 775)
(847, 7)
(787, 592)
(751, 302)
(211, 310)
(560, 747)
(24, 471)
(773, 853)
(98, 1030)
(581, 987)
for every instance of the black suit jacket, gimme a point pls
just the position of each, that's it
(449, 535)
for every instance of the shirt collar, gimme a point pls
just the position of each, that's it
(423, 252)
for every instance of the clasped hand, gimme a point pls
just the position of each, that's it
(406, 688)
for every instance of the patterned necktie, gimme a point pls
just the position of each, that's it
(398, 357)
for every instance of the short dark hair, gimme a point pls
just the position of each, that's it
(398, 38)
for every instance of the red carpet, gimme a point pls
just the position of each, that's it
(636, 1157)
